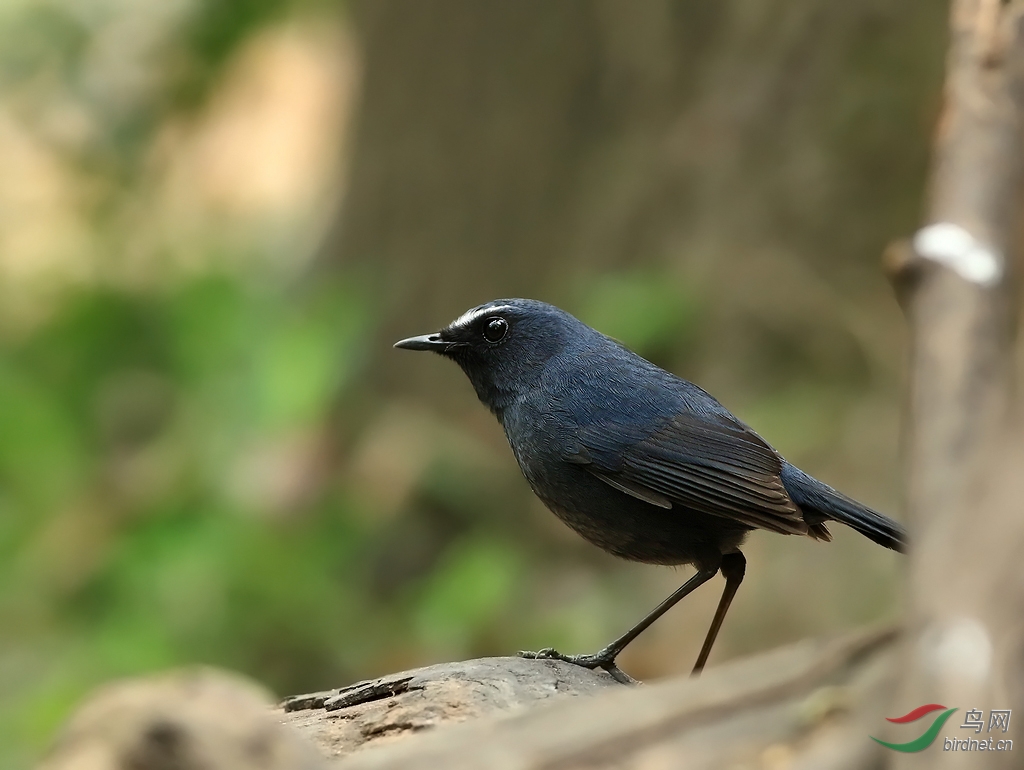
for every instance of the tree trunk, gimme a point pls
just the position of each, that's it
(964, 487)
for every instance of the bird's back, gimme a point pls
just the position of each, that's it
(613, 443)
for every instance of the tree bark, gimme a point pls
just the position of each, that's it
(342, 720)
(964, 646)
(810, 705)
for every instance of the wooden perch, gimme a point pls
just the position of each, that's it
(367, 712)
(814, 703)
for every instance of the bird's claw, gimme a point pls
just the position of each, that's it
(602, 660)
(548, 653)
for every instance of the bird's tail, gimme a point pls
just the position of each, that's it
(814, 497)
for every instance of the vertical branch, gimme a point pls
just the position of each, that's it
(964, 646)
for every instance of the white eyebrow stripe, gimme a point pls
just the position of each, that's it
(471, 315)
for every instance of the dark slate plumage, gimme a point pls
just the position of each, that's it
(638, 461)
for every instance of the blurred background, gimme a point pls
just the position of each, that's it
(215, 217)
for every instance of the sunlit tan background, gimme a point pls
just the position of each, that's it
(216, 216)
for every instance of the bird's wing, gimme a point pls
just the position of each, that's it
(704, 463)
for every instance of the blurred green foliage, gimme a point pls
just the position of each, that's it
(123, 548)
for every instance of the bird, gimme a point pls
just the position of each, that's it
(641, 463)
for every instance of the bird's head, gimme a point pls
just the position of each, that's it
(502, 345)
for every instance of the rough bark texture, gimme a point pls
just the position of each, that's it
(383, 709)
(811, 705)
(966, 600)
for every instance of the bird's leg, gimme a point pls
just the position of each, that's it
(734, 565)
(606, 657)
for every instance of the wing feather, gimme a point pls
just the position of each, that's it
(699, 462)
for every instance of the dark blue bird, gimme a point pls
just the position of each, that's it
(639, 462)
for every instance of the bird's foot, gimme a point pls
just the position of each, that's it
(597, 660)
(605, 659)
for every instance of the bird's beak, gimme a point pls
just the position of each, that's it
(424, 342)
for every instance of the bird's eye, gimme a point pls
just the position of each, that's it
(495, 329)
